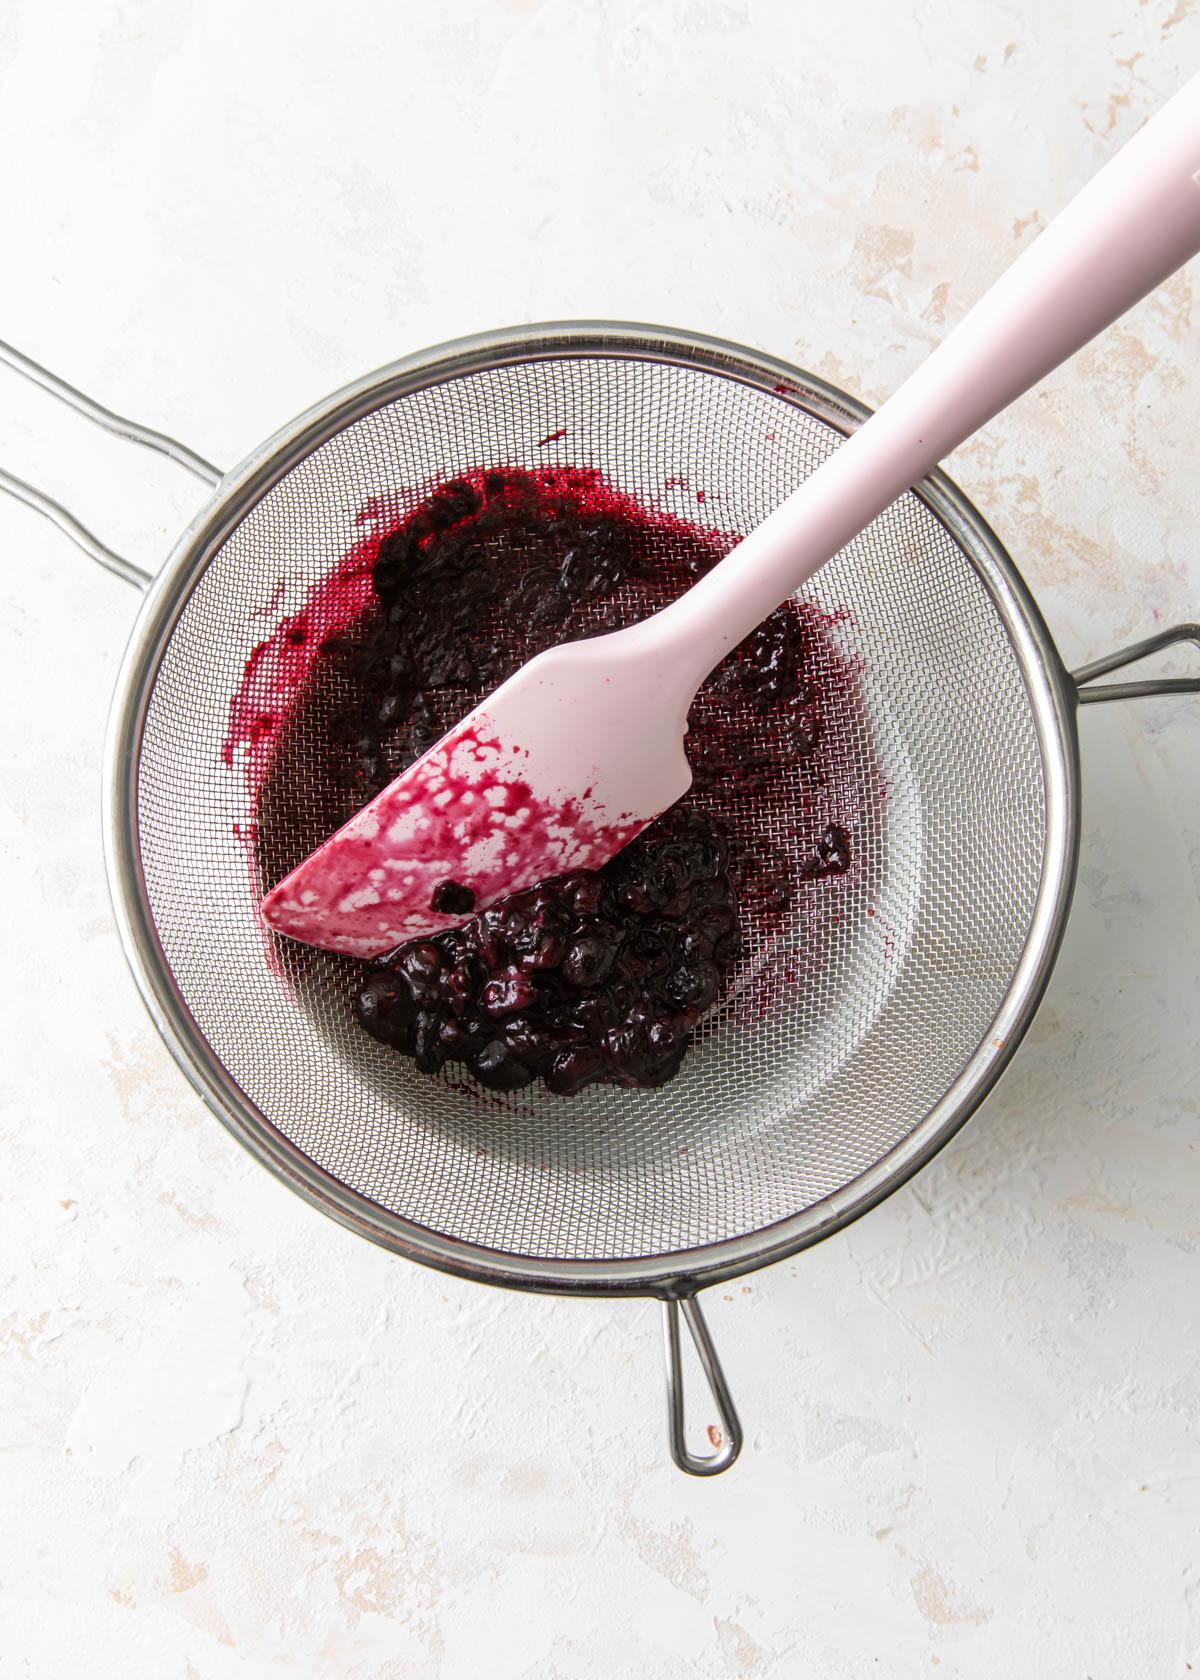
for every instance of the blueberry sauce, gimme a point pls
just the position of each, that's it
(596, 975)
(588, 976)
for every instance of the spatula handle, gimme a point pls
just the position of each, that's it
(1135, 223)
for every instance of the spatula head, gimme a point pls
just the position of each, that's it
(556, 770)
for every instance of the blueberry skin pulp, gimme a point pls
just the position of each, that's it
(593, 976)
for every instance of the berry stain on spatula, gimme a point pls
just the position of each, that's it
(493, 807)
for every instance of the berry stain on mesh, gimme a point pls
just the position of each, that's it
(597, 975)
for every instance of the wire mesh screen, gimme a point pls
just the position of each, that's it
(846, 1020)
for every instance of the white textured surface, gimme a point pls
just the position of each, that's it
(237, 1441)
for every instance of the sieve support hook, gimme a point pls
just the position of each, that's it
(1129, 656)
(730, 1440)
(116, 423)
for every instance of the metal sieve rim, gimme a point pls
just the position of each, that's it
(1052, 700)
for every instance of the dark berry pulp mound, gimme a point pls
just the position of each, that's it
(590, 976)
(593, 975)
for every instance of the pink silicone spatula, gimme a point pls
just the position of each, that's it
(570, 758)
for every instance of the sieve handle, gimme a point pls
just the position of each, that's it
(731, 1429)
(1128, 656)
(1129, 228)
(117, 423)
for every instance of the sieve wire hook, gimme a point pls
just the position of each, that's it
(116, 423)
(1129, 656)
(729, 1441)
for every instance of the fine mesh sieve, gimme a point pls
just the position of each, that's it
(859, 1030)
(813, 1067)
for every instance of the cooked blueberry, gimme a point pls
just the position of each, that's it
(695, 983)
(451, 898)
(624, 1048)
(546, 954)
(463, 984)
(427, 1051)
(708, 893)
(393, 564)
(586, 892)
(420, 957)
(530, 1043)
(708, 854)
(455, 502)
(572, 1070)
(652, 948)
(497, 1067)
(717, 921)
(589, 961)
(588, 1020)
(664, 1037)
(455, 1041)
(515, 921)
(510, 990)
(485, 937)
(421, 967)
(660, 1067)
(380, 1007)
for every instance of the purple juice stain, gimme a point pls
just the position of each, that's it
(592, 976)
